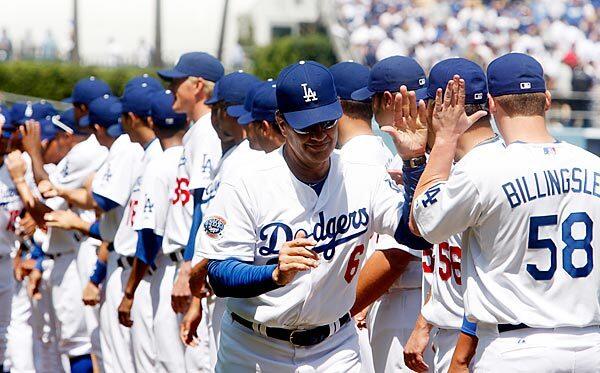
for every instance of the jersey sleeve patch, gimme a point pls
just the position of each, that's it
(214, 226)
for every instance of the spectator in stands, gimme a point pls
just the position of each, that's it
(6, 48)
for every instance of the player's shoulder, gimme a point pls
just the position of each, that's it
(369, 149)
(201, 132)
(579, 153)
(263, 167)
(356, 168)
(482, 157)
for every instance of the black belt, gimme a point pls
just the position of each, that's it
(176, 256)
(126, 262)
(510, 327)
(57, 255)
(308, 337)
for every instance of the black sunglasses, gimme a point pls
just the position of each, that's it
(325, 126)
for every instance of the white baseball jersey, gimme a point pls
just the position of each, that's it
(114, 181)
(528, 214)
(11, 206)
(250, 218)
(126, 238)
(157, 183)
(367, 149)
(71, 172)
(445, 306)
(197, 167)
(234, 162)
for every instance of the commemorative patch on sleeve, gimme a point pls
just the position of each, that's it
(213, 226)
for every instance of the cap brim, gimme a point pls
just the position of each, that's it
(171, 74)
(236, 111)
(306, 118)
(115, 130)
(362, 94)
(245, 119)
(56, 121)
(68, 100)
(212, 100)
(421, 94)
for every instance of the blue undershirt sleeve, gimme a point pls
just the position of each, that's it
(148, 245)
(104, 203)
(99, 272)
(410, 178)
(95, 230)
(236, 279)
(188, 254)
(468, 327)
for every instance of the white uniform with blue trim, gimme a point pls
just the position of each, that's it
(124, 185)
(62, 282)
(157, 185)
(250, 219)
(529, 218)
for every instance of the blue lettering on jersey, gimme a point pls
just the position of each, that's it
(430, 194)
(323, 230)
(548, 183)
(107, 175)
(206, 164)
(148, 205)
(182, 161)
(65, 170)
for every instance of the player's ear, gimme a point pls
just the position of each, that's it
(548, 100)
(388, 100)
(150, 122)
(491, 104)
(265, 127)
(281, 123)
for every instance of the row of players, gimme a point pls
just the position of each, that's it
(151, 193)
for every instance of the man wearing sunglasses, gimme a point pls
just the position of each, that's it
(286, 238)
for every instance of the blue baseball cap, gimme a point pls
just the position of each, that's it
(42, 109)
(233, 88)
(237, 111)
(198, 64)
(349, 76)
(48, 129)
(515, 73)
(264, 105)
(106, 112)
(5, 113)
(136, 99)
(65, 121)
(88, 89)
(391, 73)
(161, 110)
(473, 75)
(306, 95)
(143, 79)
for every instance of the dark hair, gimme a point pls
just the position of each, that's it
(527, 104)
(471, 109)
(357, 109)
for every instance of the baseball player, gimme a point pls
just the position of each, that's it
(444, 307)
(60, 268)
(258, 115)
(84, 92)
(514, 220)
(230, 90)
(286, 251)
(157, 184)
(192, 82)
(391, 277)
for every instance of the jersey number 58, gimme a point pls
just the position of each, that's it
(572, 244)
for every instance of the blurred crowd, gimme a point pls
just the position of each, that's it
(564, 35)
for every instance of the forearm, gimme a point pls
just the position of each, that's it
(79, 197)
(33, 205)
(404, 233)
(378, 274)
(437, 170)
(466, 347)
(232, 278)
(135, 277)
(188, 254)
(37, 165)
(198, 275)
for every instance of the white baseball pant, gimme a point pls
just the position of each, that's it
(86, 262)
(19, 352)
(564, 349)
(115, 339)
(366, 355)
(390, 322)
(6, 297)
(443, 342)
(169, 348)
(243, 350)
(203, 358)
(142, 335)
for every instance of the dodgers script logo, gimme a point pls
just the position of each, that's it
(336, 229)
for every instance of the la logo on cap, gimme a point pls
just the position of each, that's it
(309, 94)
(478, 96)
(525, 85)
(422, 81)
